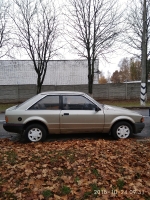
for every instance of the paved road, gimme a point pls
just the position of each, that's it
(144, 134)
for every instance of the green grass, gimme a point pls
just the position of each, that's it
(65, 190)
(4, 106)
(11, 157)
(95, 172)
(120, 184)
(47, 193)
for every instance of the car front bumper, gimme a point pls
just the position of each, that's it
(14, 128)
(138, 127)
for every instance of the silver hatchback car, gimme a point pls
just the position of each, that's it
(69, 112)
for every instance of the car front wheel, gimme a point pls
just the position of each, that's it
(35, 133)
(122, 130)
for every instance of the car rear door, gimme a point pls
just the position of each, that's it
(78, 115)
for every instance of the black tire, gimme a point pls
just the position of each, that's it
(122, 130)
(35, 133)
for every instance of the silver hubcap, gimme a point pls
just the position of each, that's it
(123, 131)
(35, 134)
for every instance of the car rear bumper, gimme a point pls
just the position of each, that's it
(138, 127)
(14, 128)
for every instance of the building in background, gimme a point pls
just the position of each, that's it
(59, 72)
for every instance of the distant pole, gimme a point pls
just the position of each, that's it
(126, 90)
(144, 58)
(17, 92)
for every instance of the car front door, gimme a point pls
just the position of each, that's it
(78, 115)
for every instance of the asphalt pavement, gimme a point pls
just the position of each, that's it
(141, 136)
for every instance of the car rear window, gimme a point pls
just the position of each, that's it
(47, 103)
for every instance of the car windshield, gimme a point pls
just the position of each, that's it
(94, 101)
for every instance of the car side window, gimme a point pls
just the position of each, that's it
(77, 103)
(47, 103)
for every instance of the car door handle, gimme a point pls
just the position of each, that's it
(66, 113)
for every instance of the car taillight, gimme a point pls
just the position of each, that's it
(6, 119)
(142, 119)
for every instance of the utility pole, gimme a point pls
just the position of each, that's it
(144, 57)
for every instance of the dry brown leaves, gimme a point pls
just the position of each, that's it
(75, 170)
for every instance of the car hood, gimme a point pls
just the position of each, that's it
(118, 109)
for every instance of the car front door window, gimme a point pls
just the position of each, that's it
(77, 103)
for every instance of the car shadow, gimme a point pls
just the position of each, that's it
(66, 137)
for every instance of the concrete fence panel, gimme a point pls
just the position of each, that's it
(117, 91)
(122, 91)
(101, 91)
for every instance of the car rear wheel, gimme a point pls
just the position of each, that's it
(122, 130)
(35, 133)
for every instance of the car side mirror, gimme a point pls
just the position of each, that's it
(97, 109)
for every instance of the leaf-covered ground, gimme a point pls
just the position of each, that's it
(75, 170)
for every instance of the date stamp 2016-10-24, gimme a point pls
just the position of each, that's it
(115, 192)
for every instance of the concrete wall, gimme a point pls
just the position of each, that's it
(20, 93)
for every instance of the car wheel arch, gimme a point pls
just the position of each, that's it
(123, 120)
(36, 122)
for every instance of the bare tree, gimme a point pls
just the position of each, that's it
(135, 69)
(138, 33)
(124, 65)
(130, 70)
(116, 77)
(4, 30)
(93, 29)
(102, 79)
(37, 31)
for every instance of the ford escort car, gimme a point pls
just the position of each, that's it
(69, 112)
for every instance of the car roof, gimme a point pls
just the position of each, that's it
(61, 93)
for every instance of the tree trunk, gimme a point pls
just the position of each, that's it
(90, 75)
(90, 84)
(39, 85)
(38, 89)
